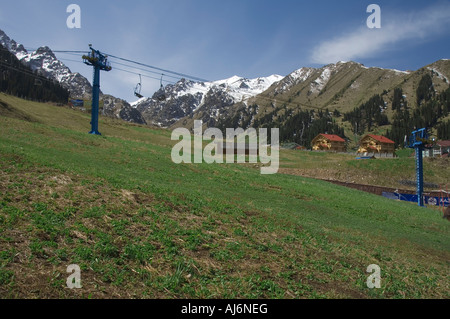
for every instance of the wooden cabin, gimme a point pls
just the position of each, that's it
(328, 142)
(376, 144)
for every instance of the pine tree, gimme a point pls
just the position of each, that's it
(425, 90)
(19, 80)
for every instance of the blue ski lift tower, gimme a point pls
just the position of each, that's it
(100, 63)
(419, 140)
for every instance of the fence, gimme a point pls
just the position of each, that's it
(437, 199)
(428, 200)
(368, 155)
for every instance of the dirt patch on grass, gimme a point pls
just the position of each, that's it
(347, 176)
(7, 110)
(46, 217)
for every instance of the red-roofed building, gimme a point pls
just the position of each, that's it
(328, 142)
(376, 144)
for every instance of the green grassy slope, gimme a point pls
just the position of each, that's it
(141, 226)
(388, 172)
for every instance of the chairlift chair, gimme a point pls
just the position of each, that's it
(160, 95)
(37, 82)
(137, 90)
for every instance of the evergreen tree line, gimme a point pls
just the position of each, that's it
(302, 126)
(299, 127)
(443, 131)
(431, 107)
(19, 80)
(241, 119)
(368, 115)
(425, 91)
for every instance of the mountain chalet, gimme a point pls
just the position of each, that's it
(376, 144)
(328, 142)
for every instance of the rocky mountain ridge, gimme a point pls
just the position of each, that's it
(44, 62)
(239, 101)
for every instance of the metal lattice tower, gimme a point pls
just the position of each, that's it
(100, 63)
(419, 140)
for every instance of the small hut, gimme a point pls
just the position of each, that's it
(441, 148)
(328, 142)
(376, 144)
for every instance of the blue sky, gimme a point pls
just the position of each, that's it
(216, 39)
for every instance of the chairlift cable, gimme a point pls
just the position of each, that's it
(131, 72)
(24, 71)
(182, 75)
(171, 75)
(143, 75)
(133, 62)
(140, 69)
(160, 69)
(126, 65)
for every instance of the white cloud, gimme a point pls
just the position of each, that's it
(365, 42)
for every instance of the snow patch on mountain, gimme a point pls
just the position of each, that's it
(293, 79)
(439, 74)
(141, 100)
(301, 74)
(45, 61)
(210, 99)
(236, 88)
(400, 71)
(378, 68)
(355, 85)
(318, 84)
(17, 49)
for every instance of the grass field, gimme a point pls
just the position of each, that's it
(140, 226)
(388, 172)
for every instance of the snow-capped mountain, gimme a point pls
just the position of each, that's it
(121, 109)
(45, 62)
(17, 49)
(242, 102)
(341, 87)
(317, 79)
(210, 99)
